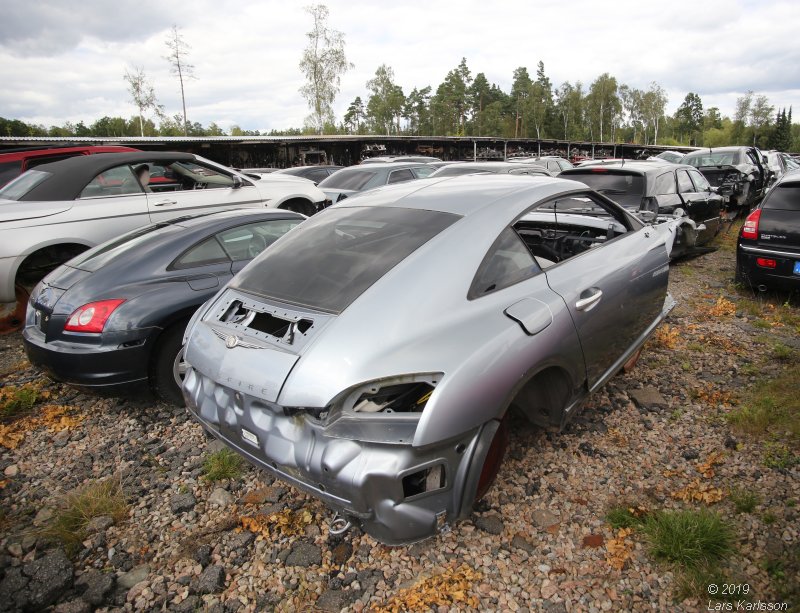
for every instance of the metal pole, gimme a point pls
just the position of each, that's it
(505, 150)
(474, 151)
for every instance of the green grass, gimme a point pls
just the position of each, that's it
(16, 400)
(97, 499)
(783, 353)
(769, 518)
(691, 539)
(762, 324)
(771, 407)
(622, 517)
(743, 501)
(224, 464)
(777, 455)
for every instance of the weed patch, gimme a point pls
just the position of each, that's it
(690, 539)
(224, 464)
(771, 407)
(743, 501)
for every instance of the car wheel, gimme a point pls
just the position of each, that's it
(168, 366)
(300, 206)
(494, 458)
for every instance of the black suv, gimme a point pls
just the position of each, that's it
(768, 252)
(656, 187)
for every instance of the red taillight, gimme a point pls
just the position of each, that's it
(750, 227)
(766, 263)
(92, 317)
(598, 170)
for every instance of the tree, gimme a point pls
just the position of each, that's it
(781, 136)
(417, 111)
(539, 101)
(741, 114)
(631, 103)
(520, 89)
(178, 52)
(760, 113)
(142, 94)
(355, 113)
(386, 102)
(602, 104)
(654, 101)
(323, 63)
(690, 116)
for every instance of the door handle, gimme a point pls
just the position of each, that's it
(584, 304)
(165, 202)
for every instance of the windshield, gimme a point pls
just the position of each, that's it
(354, 179)
(23, 184)
(714, 158)
(624, 188)
(334, 257)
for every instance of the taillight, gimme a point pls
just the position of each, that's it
(92, 317)
(766, 263)
(598, 170)
(750, 227)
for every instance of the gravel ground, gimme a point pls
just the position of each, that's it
(538, 542)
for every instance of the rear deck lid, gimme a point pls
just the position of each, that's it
(779, 224)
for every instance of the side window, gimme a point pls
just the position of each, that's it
(700, 182)
(400, 176)
(246, 242)
(9, 170)
(207, 252)
(665, 184)
(507, 262)
(553, 167)
(424, 171)
(195, 176)
(113, 182)
(684, 182)
(317, 175)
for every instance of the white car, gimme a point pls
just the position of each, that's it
(55, 211)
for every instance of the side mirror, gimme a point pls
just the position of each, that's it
(713, 190)
(237, 181)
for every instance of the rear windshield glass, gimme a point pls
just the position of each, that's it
(23, 184)
(623, 188)
(9, 170)
(348, 179)
(720, 158)
(334, 257)
(784, 197)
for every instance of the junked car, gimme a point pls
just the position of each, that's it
(371, 356)
(53, 212)
(353, 180)
(739, 173)
(768, 250)
(660, 191)
(112, 319)
(512, 168)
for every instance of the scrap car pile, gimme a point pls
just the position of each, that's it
(368, 339)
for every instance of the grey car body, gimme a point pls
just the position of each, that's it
(740, 173)
(353, 180)
(377, 369)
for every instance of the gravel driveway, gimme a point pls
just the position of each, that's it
(655, 438)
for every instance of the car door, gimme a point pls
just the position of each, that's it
(707, 204)
(111, 204)
(198, 188)
(613, 290)
(665, 193)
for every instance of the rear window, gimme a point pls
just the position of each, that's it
(24, 183)
(783, 197)
(348, 179)
(334, 257)
(624, 188)
(720, 158)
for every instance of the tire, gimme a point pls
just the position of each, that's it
(494, 458)
(165, 371)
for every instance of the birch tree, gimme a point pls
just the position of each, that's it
(180, 67)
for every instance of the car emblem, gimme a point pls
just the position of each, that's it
(231, 341)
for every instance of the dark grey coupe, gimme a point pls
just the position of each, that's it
(113, 317)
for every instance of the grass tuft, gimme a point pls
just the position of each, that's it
(16, 400)
(743, 501)
(224, 464)
(691, 539)
(772, 406)
(97, 499)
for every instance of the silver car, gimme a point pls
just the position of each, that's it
(373, 354)
(55, 211)
(353, 180)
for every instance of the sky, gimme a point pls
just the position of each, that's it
(64, 60)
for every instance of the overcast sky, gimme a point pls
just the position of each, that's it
(64, 61)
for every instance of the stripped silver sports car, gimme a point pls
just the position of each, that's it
(371, 356)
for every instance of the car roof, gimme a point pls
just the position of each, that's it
(35, 152)
(463, 195)
(390, 165)
(705, 150)
(70, 176)
(637, 166)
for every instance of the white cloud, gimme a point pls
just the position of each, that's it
(62, 62)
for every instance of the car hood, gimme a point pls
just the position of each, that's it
(12, 210)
